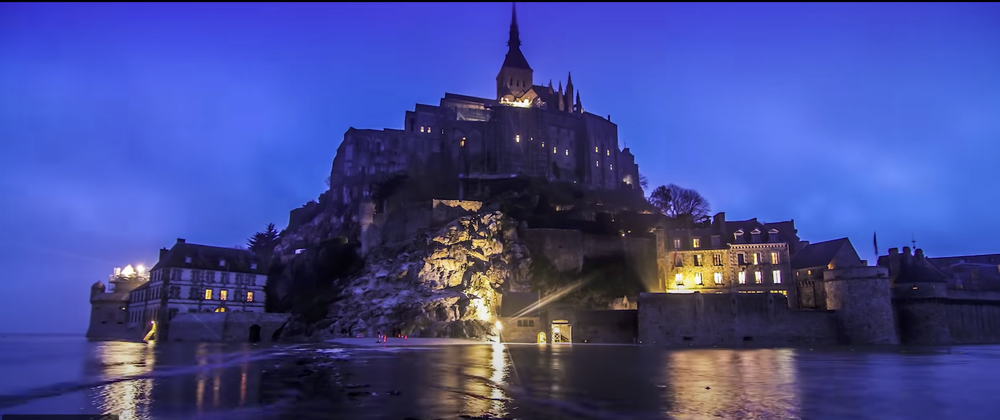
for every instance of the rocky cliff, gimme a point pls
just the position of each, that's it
(444, 281)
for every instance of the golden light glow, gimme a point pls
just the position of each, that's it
(128, 271)
(499, 326)
(208, 294)
(249, 296)
(223, 294)
(776, 276)
(140, 269)
(609, 152)
(462, 143)
(541, 338)
(756, 258)
(774, 258)
(517, 138)
(679, 278)
(758, 277)
(697, 279)
(520, 103)
(421, 129)
(152, 331)
(743, 277)
(567, 152)
(596, 150)
(220, 310)
(696, 243)
(553, 150)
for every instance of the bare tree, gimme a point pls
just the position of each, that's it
(675, 201)
(643, 182)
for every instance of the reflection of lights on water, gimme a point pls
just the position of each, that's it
(243, 384)
(499, 365)
(216, 385)
(128, 399)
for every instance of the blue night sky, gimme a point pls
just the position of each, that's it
(126, 126)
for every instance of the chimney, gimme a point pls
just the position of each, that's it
(181, 240)
(919, 254)
(609, 117)
(163, 253)
(906, 251)
(719, 222)
(893, 252)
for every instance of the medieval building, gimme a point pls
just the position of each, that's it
(744, 256)
(527, 129)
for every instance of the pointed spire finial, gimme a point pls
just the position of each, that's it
(515, 38)
(569, 80)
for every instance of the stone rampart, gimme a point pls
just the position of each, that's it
(730, 319)
(606, 326)
(226, 326)
(563, 248)
(862, 299)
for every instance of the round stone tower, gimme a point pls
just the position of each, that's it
(862, 299)
(96, 289)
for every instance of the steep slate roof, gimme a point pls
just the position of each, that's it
(818, 254)
(515, 59)
(514, 302)
(205, 257)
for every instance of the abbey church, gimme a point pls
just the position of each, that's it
(528, 129)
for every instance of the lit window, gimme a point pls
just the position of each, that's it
(222, 263)
(596, 150)
(697, 279)
(609, 152)
(567, 152)
(421, 129)
(223, 294)
(517, 138)
(716, 259)
(776, 276)
(697, 260)
(249, 296)
(718, 278)
(758, 277)
(679, 279)
(553, 150)
(756, 258)
(428, 130)
(596, 163)
(220, 310)
(696, 243)
(774, 258)
(677, 243)
(543, 144)
(208, 293)
(462, 143)
(743, 277)
(611, 167)
(531, 139)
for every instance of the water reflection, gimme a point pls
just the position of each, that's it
(128, 399)
(729, 383)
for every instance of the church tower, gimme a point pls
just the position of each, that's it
(515, 78)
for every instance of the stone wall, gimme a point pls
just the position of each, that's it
(963, 317)
(225, 326)
(523, 329)
(563, 248)
(730, 319)
(606, 326)
(639, 251)
(862, 298)
(108, 321)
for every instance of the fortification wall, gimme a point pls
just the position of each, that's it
(524, 329)
(606, 326)
(563, 248)
(640, 253)
(225, 326)
(962, 317)
(108, 322)
(862, 299)
(730, 319)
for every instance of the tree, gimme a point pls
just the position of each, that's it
(676, 201)
(262, 243)
(643, 182)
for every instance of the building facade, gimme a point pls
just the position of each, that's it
(745, 256)
(812, 261)
(191, 278)
(527, 129)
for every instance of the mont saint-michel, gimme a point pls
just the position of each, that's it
(520, 218)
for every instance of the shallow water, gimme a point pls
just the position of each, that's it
(67, 375)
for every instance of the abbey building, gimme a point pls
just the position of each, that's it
(527, 129)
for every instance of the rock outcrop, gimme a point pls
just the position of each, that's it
(442, 282)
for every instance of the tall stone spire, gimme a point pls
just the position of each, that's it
(515, 77)
(569, 93)
(579, 105)
(515, 36)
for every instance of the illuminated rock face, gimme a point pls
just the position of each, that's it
(442, 283)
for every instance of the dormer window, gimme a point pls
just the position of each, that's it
(222, 263)
(739, 236)
(772, 236)
(677, 244)
(187, 260)
(755, 236)
(716, 241)
(253, 266)
(696, 243)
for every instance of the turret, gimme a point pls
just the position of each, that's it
(862, 299)
(562, 98)
(569, 93)
(579, 105)
(96, 289)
